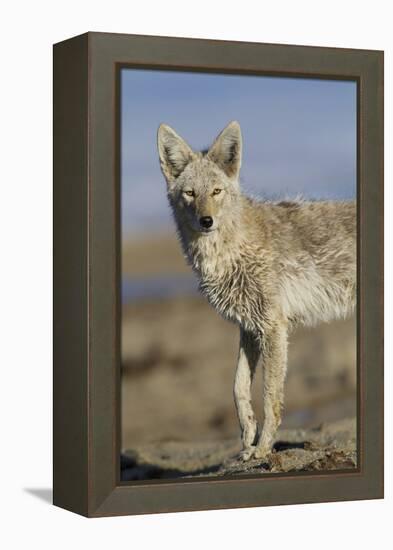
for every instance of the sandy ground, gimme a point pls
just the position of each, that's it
(328, 447)
(178, 364)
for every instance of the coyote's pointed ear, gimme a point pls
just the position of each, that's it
(226, 151)
(173, 151)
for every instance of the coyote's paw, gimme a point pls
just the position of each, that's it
(261, 453)
(247, 454)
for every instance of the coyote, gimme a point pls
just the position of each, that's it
(266, 266)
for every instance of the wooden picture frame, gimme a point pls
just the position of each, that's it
(86, 274)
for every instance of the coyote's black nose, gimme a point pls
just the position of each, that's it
(206, 221)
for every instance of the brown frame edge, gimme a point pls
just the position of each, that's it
(87, 270)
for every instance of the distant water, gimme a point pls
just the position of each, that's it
(154, 288)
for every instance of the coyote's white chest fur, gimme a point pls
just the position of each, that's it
(228, 278)
(265, 266)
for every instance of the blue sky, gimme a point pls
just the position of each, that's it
(299, 135)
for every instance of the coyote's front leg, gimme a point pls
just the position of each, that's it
(249, 352)
(274, 371)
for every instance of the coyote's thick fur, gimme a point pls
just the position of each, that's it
(266, 266)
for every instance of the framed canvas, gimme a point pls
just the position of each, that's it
(261, 167)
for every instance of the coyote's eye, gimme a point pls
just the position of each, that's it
(189, 193)
(217, 191)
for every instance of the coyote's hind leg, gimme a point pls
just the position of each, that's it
(249, 352)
